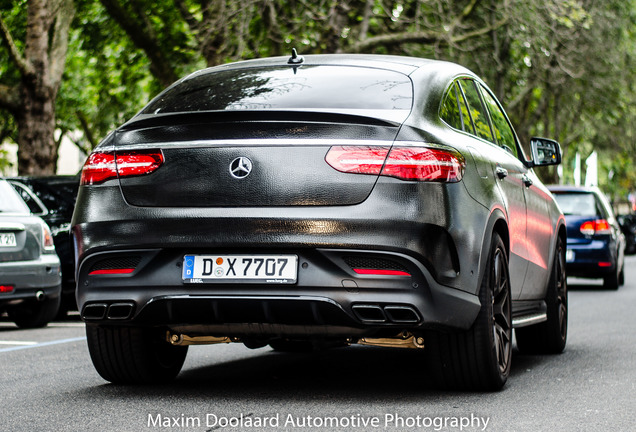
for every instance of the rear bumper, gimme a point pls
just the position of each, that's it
(408, 223)
(30, 277)
(587, 258)
(329, 298)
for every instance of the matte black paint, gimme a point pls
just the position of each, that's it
(297, 204)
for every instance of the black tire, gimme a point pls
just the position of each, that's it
(131, 355)
(549, 337)
(612, 282)
(33, 313)
(480, 358)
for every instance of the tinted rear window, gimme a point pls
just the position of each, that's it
(580, 204)
(307, 87)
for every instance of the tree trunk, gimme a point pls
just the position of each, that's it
(37, 148)
(41, 64)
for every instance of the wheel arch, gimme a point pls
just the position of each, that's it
(497, 224)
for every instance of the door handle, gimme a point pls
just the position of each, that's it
(527, 180)
(501, 172)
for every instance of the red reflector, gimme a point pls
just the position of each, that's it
(379, 272)
(112, 271)
(6, 288)
(105, 166)
(604, 264)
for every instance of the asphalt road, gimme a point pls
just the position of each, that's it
(47, 383)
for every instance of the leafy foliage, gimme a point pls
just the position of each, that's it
(563, 68)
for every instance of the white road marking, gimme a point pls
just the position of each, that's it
(43, 344)
(67, 324)
(17, 343)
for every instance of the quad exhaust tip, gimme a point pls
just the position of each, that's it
(378, 314)
(114, 311)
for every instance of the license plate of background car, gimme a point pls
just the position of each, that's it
(276, 269)
(7, 240)
(569, 255)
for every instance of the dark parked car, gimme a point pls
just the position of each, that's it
(53, 199)
(596, 244)
(628, 227)
(320, 202)
(30, 282)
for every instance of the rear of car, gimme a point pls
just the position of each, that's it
(206, 194)
(596, 244)
(308, 205)
(30, 281)
(53, 199)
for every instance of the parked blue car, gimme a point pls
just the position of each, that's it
(596, 244)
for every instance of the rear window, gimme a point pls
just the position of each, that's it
(306, 87)
(10, 201)
(580, 204)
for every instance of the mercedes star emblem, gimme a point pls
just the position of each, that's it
(240, 167)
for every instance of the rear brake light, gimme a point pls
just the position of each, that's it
(357, 159)
(598, 226)
(47, 237)
(424, 164)
(105, 166)
(405, 163)
(98, 168)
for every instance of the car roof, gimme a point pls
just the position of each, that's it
(403, 64)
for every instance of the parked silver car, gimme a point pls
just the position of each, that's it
(30, 277)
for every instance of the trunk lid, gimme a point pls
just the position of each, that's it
(249, 158)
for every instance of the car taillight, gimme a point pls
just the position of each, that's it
(598, 226)
(424, 164)
(102, 166)
(357, 159)
(405, 163)
(47, 237)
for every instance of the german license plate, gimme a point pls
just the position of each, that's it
(7, 240)
(276, 269)
(569, 255)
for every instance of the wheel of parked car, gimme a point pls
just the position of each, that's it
(33, 313)
(549, 337)
(613, 281)
(130, 355)
(479, 359)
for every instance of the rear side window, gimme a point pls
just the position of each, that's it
(450, 109)
(503, 131)
(307, 87)
(478, 112)
(10, 201)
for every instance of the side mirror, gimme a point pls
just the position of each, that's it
(545, 152)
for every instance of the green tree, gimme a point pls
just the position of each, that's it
(28, 90)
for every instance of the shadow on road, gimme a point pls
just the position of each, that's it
(363, 374)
